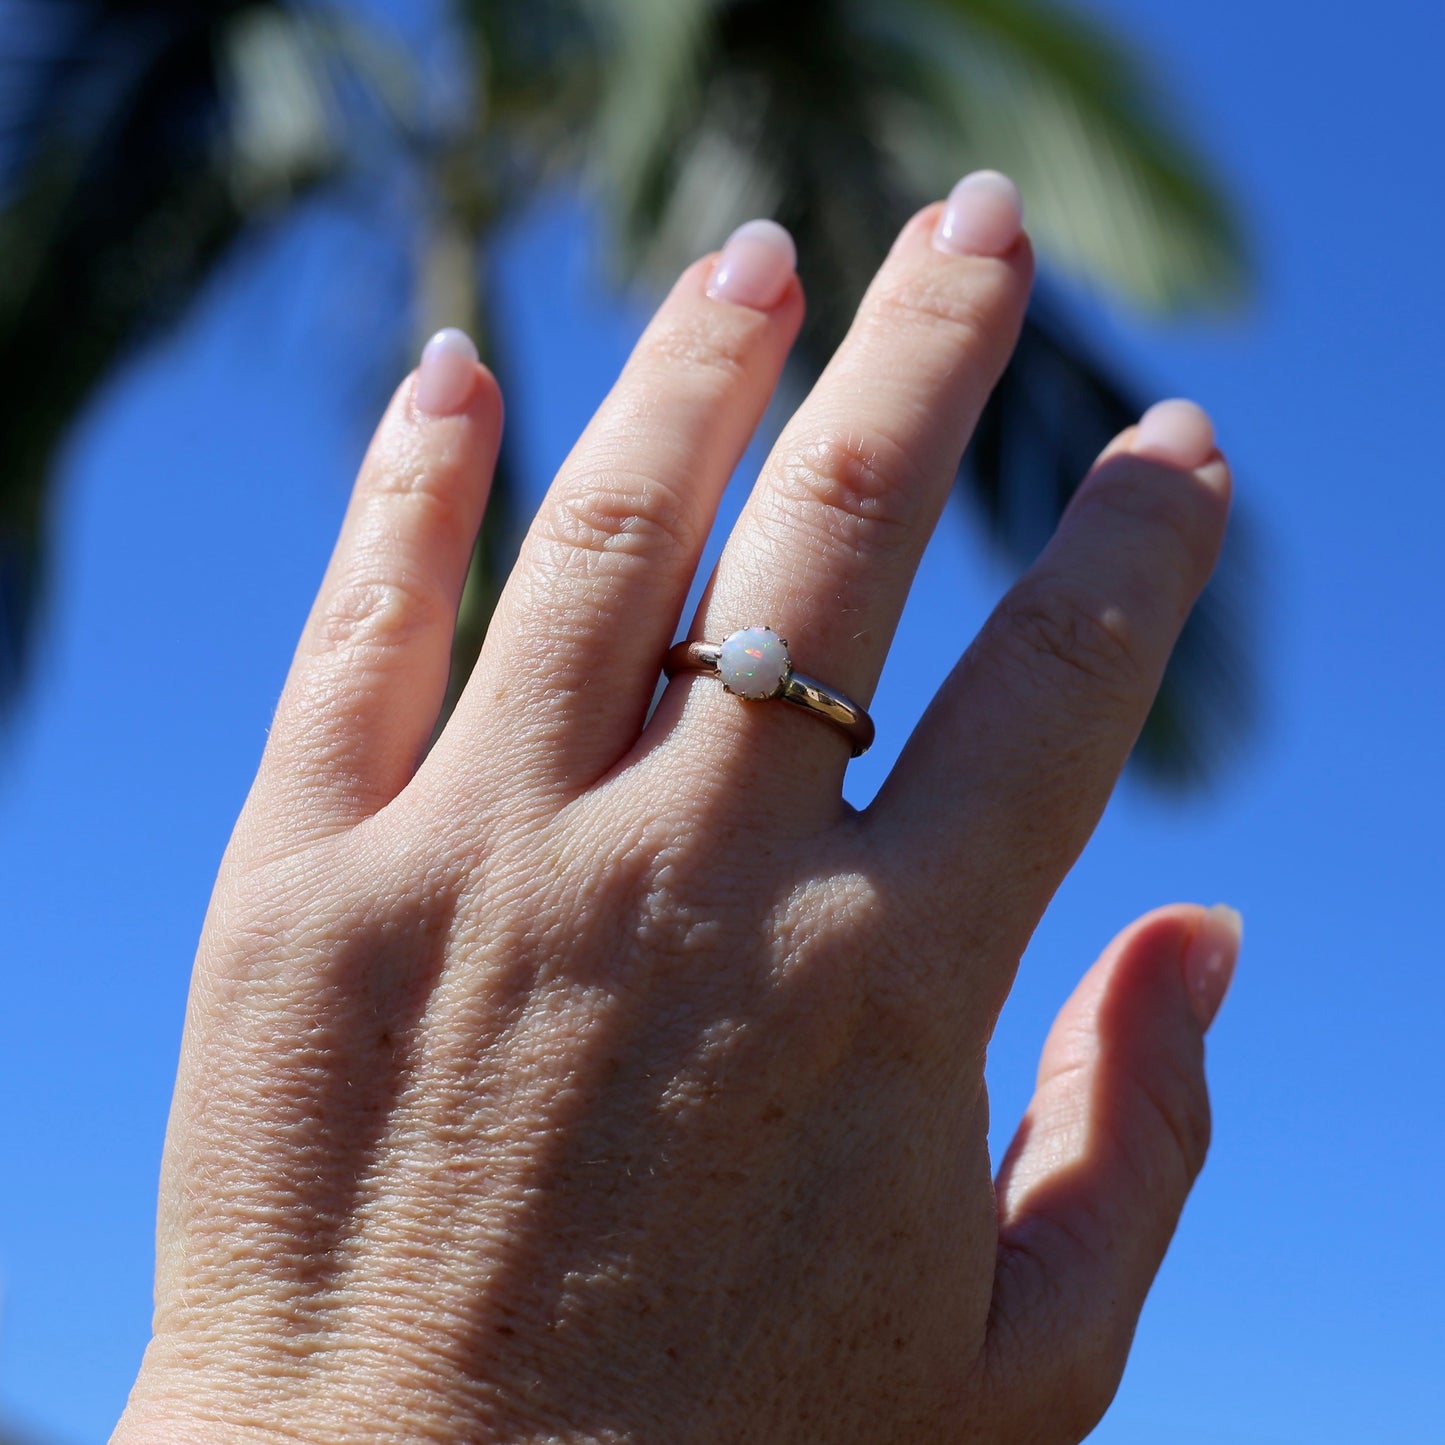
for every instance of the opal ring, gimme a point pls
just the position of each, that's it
(753, 664)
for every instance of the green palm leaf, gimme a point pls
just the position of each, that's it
(1066, 109)
(140, 140)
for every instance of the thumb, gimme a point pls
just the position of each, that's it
(1091, 1188)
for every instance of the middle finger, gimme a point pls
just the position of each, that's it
(827, 545)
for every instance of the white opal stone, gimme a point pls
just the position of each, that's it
(753, 662)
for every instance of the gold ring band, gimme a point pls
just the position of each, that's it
(753, 664)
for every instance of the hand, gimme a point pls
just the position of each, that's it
(596, 1078)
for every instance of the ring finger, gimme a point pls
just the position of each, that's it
(827, 545)
(571, 658)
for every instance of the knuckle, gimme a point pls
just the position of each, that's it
(690, 343)
(1058, 1374)
(1165, 520)
(372, 612)
(924, 299)
(1179, 1102)
(426, 502)
(408, 472)
(1056, 628)
(851, 487)
(832, 918)
(604, 521)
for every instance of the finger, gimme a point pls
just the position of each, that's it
(1091, 1189)
(370, 672)
(828, 543)
(1007, 774)
(574, 651)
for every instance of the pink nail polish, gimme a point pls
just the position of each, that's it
(755, 266)
(1178, 433)
(1209, 960)
(447, 374)
(983, 216)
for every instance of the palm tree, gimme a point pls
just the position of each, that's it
(140, 140)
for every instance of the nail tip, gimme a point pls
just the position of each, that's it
(755, 265)
(983, 216)
(1179, 407)
(1176, 431)
(446, 373)
(454, 341)
(1209, 960)
(1231, 918)
(1000, 182)
(764, 228)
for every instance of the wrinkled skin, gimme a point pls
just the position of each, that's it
(591, 1077)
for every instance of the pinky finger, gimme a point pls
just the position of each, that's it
(370, 673)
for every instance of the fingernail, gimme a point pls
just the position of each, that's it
(1209, 960)
(447, 374)
(755, 266)
(983, 216)
(1178, 433)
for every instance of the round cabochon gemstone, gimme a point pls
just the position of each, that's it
(753, 662)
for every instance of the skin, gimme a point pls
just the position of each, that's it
(594, 1078)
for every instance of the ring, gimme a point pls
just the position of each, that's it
(753, 664)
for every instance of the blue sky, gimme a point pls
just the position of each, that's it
(1302, 1300)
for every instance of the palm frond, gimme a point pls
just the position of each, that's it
(773, 118)
(1114, 195)
(140, 138)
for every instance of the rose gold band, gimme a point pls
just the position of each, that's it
(804, 692)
